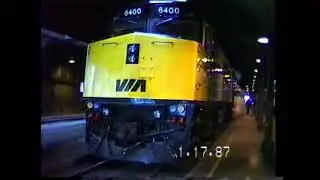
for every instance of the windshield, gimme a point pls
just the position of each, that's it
(175, 27)
(125, 26)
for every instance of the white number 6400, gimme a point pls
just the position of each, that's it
(170, 10)
(135, 11)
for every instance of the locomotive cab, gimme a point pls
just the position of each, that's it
(175, 20)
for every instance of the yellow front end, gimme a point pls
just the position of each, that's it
(167, 68)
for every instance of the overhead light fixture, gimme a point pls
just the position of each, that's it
(258, 60)
(255, 70)
(218, 70)
(263, 40)
(71, 61)
(254, 76)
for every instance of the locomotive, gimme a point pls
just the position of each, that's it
(160, 83)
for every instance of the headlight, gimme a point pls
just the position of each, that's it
(89, 105)
(156, 114)
(96, 105)
(106, 111)
(181, 108)
(178, 110)
(173, 108)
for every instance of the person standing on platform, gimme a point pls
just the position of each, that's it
(249, 103)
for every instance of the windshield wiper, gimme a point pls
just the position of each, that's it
(165, 21)
(132, 21)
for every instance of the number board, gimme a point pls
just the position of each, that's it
(168, 10)
(133, 12)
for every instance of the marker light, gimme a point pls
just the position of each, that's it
(96, 105)
(156, 114)
(89, 105)
(106, 111)
(173, 108)
(181, 108)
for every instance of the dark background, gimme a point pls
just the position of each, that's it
(238, 24)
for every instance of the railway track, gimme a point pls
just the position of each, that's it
(88, 167)
(95, 169)
(127, 170)
(79, 167)
(91, 168)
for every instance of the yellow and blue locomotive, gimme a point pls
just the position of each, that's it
(157, 85)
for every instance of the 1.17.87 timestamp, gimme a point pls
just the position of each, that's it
(202, 151)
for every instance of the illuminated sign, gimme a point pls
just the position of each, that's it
(168, 10)
(132, 12)
(133, 54)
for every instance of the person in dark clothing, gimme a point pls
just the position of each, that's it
(249, 105)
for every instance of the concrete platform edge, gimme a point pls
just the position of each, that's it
(61, 118)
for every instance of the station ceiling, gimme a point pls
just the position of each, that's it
(238, 24)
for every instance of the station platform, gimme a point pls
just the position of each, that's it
(64, 117)
(246, 159)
